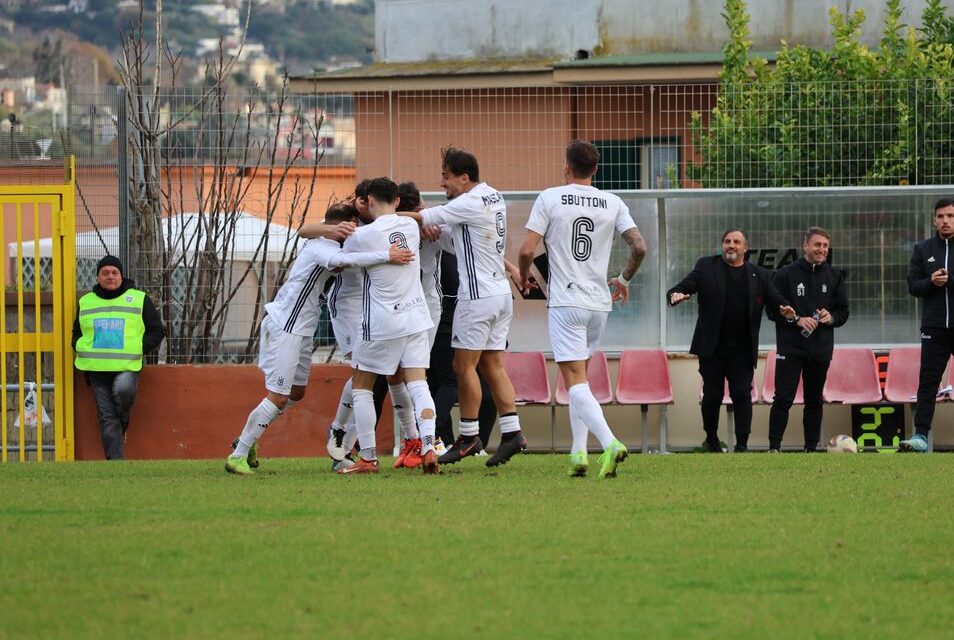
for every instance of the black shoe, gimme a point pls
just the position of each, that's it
(740, 448)
(461, 449)
(507, 449)
(714, 446)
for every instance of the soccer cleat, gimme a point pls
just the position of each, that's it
(915, 444)
(410, 455)
(429, 464)
(712, 446)
(773, 450)
(361, 466)
(341, 464)
(615, 453)
(439, 447)
(238, 465)
(252, 454)
(335, 444)
(461, 449)
(578, 464)
(507, 449)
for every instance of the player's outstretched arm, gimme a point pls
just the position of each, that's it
(363, 259)
(337, 232)
(619, 286)
(525, 258)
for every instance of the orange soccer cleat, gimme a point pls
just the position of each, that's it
(361, 466)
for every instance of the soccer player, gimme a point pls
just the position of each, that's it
(577, 222)
(477, 218)
(394, 329)
(288, 329)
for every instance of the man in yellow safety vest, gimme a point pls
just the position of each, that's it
(115, 325)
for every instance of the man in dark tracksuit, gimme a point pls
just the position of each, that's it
(732, 294)
(928, 279)
(805, 343)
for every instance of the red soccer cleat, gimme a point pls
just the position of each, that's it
(429, 464)
(413, 458)
(361, 466)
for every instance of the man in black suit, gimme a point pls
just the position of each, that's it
(732, 294)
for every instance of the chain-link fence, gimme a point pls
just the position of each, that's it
(201, 191)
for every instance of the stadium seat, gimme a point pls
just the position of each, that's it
(528, 373)
(644, 380)
(730, 414)
(901, 383)
(852, 377)
(597, 372)
(768, 382)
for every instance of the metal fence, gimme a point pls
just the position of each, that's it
(237, 168)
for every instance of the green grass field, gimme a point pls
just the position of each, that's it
(687, 546)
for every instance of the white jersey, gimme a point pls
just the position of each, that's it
(393, 301)
(297, 306)
(478, 223)
(344, 295)
(431, 269)
(577, 224)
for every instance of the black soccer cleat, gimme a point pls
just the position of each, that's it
(507, 449)
(461, 449)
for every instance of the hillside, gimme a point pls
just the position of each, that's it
(301, 34)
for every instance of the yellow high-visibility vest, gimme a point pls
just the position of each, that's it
(112, 332)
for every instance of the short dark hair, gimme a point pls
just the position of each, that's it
(341, 212)
(816, 231)
(943, 203)
(383, 190)
(409, 195)
(582, 157)
(734, 230)
(361, 189)
(460, 162)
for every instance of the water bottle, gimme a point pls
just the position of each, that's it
(807, 332)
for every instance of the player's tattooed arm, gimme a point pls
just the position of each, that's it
(619, 286)
(527, 250)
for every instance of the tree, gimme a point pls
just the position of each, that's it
(216, 139)
(841, 117)
(48, 60)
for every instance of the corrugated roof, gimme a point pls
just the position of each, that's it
(440, 68)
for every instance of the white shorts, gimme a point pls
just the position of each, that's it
(385, 356)
(283, 357)
(482, 324)
(347, 332)
(575, 333)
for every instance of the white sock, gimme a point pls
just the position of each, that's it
(345, 412)
(579, 431)
(258, 420)
(590, 412)
(404, 407)
(421, 397)
(469, 427)
(509, 424)
(364, 418)
(351, 435)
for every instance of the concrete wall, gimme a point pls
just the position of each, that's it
(420, 30)
(192, 412)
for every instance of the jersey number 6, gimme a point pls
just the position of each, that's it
(582, 243)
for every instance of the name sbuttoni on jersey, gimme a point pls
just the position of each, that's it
(577, 223)
(478, 224)
(297, 306)
(393, 299)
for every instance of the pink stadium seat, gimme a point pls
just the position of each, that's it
(768, 382)
(853, 377)
(597, 372)
(904, 368)
(528, 373)
(644, 380)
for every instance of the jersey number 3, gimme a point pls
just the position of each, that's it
(399, 239)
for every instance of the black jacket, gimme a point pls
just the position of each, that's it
(707, 279)
(809, 287)
(150, 317)
(937, 305)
